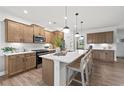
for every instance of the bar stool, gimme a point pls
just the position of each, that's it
(82, 67)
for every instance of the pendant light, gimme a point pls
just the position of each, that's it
(76, 34)
(81, 37)
(66, 29)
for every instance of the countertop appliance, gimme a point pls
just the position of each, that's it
(39, 53)
(39, 39)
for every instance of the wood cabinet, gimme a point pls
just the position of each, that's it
(30, 61)
(38, 30)
(18, 32)
(103, 55)
(23, 33)
(59, 33)
(14, 31)
(48, 36)
(96, 54)
(28, 34)
(98, 38)
(19, 63)
(89, 38)
(48, 71)
(109, 37)
(14, 64)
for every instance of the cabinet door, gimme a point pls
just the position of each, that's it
(30, 61)
(20, 64)
(38, 30)
(103, 55)
(110, 56)
(109, 37)
(94, 38)
(33, 62)
(41, 31)
(96, 55)
(11, 65)
(27, 62)
(14, 31)
(58, 33)
(89, 38)
(48, 71)
(28, 34)
(48, 36)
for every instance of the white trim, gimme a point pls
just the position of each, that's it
(56, 73)
(2, 73)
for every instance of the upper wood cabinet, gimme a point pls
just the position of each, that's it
(28, 34)
(97, 38)
(38, 30)
(109, 37)
(18, 32)
(48, 36)
(14, 31)
(89, 38)
(23, 33)
(58, 33)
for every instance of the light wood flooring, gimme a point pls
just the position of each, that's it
(29, 78)
(108, 74)
(104, 74)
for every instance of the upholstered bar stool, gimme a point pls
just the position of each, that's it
(79, 67)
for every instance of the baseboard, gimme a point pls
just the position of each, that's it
(2, 73)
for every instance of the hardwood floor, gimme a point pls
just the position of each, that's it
(30, 78)
(104, 74)
(108, 74)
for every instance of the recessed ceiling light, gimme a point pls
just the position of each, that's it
(75, 26)
(25, 11)
(49, 22)
(65, 17)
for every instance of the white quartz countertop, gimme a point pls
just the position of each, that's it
(68, 58)
(16, 53)
(103, 49)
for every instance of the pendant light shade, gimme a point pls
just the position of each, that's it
(76, 34)
(66, 29)
(81, 37)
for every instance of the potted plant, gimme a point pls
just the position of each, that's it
(57, 43)
(8, 49)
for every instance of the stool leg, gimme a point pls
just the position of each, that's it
(67, 76)
(82, 77)
(87, 75)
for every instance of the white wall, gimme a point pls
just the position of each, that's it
(120, 45)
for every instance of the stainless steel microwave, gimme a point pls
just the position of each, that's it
(39, 39)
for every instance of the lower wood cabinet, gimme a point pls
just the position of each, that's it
(48, 71)
(19, 63)
(30, 61)
(103, 55)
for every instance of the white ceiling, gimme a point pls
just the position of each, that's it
(93, 16)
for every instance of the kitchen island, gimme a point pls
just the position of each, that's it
(54, 67)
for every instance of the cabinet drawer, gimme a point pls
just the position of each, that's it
(30, 54)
